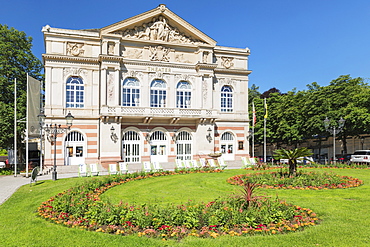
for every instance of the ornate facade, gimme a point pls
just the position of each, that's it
(148, 88)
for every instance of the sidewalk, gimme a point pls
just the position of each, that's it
(10, 184)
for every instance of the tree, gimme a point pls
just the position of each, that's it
(16, 60)
(292, 156)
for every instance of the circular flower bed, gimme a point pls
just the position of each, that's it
(302, 180)
(81, 207)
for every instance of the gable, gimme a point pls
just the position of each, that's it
(160, 25)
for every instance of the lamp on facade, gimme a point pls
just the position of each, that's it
(52, 131)
(113, 134)
(208, 136)
(334, 130)
(174, 137)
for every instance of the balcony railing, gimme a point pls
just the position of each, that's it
(120, 111)
(145, 111)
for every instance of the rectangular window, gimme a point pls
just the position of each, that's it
(241, 145)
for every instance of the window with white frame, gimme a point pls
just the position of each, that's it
(226, 99)
(130, 92)
(158, 93)
(75, 92)
(183, 94)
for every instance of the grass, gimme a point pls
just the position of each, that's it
(345, 212)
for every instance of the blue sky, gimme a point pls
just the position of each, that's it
(293, 42)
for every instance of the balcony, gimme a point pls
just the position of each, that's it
(154, 112)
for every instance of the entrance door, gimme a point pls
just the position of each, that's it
(75, 148)
(75, 155)
(184, 146)
(131, 147)
(158, 147)
(227, 146)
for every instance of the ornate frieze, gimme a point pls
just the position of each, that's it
(180, 58)
(75, 49)
(110, 87)
(74, 72)
(227, 81)
(111, 46)
(159, 30)
(134, 54)
(133, 73)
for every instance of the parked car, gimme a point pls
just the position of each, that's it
(361, 156)
(269, 159)
(343, 158)
(305, 161)
(2, 164)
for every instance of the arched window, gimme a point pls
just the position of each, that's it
(74, 136)
(226, 99)
(130, 92)
(158, 93)
(75, 92)
(183, 95)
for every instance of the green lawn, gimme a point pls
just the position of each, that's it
(345, 212)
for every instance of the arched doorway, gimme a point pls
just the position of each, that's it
(158, 147)
(75, 148)
(184, 146)
(131, 147)
(227, 146)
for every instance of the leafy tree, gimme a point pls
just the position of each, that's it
(16, 60)
(292, 156)
(253, 93)
(267, 93)
(348, 98)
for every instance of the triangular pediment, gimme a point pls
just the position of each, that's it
(159, 25)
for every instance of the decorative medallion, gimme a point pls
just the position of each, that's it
(227, 62)
(75, 49)
(159, 53)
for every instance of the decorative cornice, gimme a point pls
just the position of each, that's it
(233, 71)
(157, 64)
(206, 66)
(70, 58)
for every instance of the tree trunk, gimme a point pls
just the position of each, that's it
(292, 168)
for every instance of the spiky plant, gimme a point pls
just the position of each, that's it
(292, 156)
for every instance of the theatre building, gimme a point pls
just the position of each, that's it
(148, 88)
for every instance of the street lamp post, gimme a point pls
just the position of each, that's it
(52, 131)
(334, 130)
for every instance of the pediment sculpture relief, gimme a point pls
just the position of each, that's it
(75, 49)
(159, 29)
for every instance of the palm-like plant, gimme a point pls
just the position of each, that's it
(292, 156)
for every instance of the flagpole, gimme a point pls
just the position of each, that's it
(27, 129)
(264, 133)
(254, 123)
(264, 139)
(15, 128)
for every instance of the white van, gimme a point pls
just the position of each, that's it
(361, 156)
